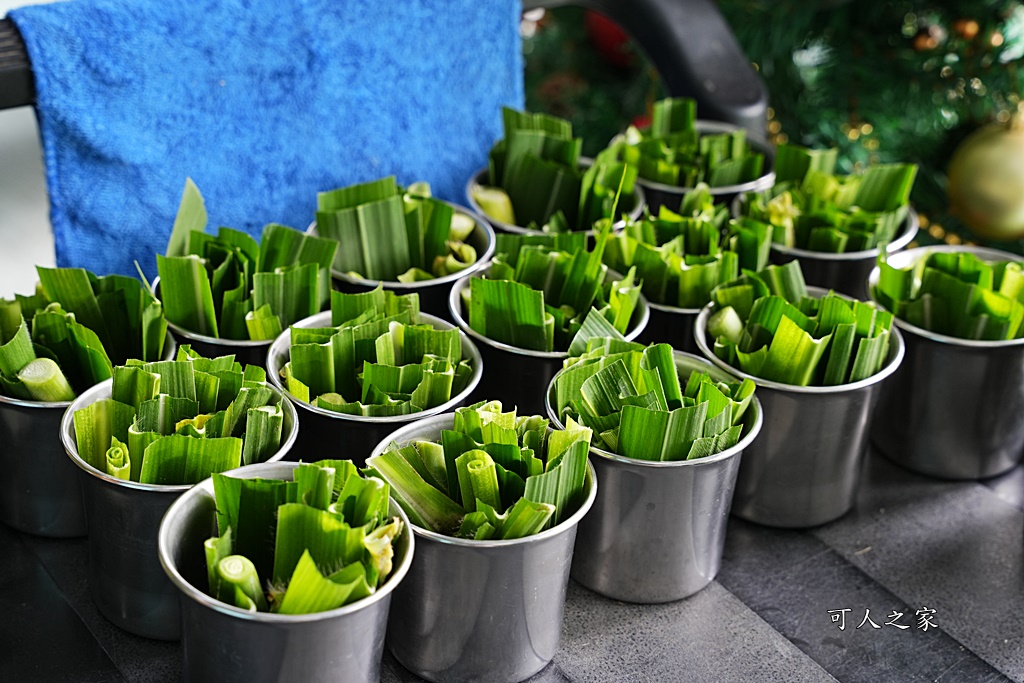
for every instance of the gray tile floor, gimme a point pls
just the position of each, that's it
(910, 543)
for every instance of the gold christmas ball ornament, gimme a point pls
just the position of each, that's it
(986, 180)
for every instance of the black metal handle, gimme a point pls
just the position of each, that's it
(17, 86)
(695, 52)
(689, 42)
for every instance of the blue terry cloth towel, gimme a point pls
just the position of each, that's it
(263, 103)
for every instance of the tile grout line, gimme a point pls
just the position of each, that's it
(828, 549)
(966, 485)
(772, 627)
(74, 609)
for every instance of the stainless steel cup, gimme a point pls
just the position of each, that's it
(127, 583)
(953, 409)
(847, 272)
(39, 489)
(519, 377)
(227, 644)
(671, 196)
(433, 293)
(805, 468)
(657, 530)
(481, 610)
(632, 205)
(670, 325)
(245, 351)
(329, 434)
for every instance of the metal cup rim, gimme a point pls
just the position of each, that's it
(446, 421)
(714, 371)
(897, 350)
(911, 224)
(477, 179)
(675, 310)
(280, 348)
(28, 403)
(273, 470)
(408, 287)
(914, 255)
(703, 125)
(103, 390)
(455, 308)
(195, 336)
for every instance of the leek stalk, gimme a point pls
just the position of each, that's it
(535, 179)
(152, 431)
(810, 207)
(789, 337)
(501, 475)
(956, 294)
(673, 152)
(82, 323)
(537, 295)
(378, 360)
(384, 232)
(637, 405)
(229, 286)
(314, 557)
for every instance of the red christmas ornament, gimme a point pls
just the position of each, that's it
(641, 121)
(609, 39)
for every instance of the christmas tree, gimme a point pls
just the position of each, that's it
(882, 81)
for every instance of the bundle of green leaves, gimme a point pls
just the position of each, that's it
(69, 335)
(638, 406)
(956, 293)
(232, 287)
(493, 475)
(178, 422)
(540, 288)
(810, 207)
(767, 325)
(319, 542)
(681, 257)
(388, 233)
(673, 152)
(377, 359)
(534, 177)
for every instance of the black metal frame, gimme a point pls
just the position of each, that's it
(17, 85)
(688, 41)
(696, 53)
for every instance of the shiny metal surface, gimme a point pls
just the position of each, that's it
(804, 469)
(520, 377)
(846, 273)
(671, 325)
(635, 202)
(245, 351)
(433, 293)
(224, 643)
(671, 196)
(954, 408)
(328, 434)
(481, 610)
(127, 583)
(657, 529)
(39, 489)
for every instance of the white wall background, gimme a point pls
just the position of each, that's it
(26, 239)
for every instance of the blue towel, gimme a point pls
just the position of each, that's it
(262, 102)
